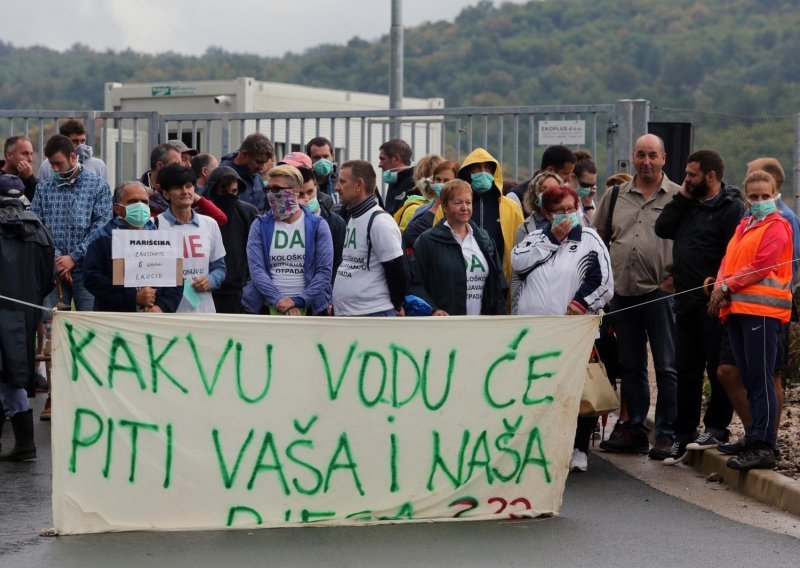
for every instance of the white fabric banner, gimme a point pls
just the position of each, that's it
(171, 422)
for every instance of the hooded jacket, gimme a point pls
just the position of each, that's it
(27, 254)
(700, 231)
(254, 190)
(492, 211)
(441, 280)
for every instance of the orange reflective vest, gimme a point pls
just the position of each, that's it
(770, 297)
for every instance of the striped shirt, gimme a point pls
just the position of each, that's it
(73, 213)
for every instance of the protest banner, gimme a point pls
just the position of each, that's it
(151, 258)
(171, 422)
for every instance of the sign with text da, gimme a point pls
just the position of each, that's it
(571, 132)
(149, 258)
(165, 422)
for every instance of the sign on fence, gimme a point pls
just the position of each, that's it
(210, 421)
(572, 132)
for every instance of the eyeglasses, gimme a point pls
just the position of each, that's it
(563, 211)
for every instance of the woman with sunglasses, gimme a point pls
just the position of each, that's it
(564, 269)
(289, 252)
(584, 182)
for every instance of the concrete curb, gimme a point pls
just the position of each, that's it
(763, 485)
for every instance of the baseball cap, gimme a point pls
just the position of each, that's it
(11, 186)
(181, 147)
(297, 159)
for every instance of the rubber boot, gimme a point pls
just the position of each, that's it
(24, 447)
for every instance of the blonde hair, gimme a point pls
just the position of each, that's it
(426, 165)
(531, 197)
(287, 171)
(618, 179)
(759, 175)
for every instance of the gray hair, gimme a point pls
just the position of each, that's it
(121, 187)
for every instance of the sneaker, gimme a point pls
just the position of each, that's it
(661, 450)
(758, 456)
(704, 441)
(579, 461)
(677, 454)
(733, 448)
(626, 441)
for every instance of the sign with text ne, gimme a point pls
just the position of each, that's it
(148, 258)
(168, 422)
(571, 132)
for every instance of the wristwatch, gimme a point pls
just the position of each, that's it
(724, 287)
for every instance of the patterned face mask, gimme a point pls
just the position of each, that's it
(283, 203)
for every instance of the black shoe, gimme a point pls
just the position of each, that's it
(733, 448)
(24, 448)
(625, 441)
(677, 454)
(757, 456)
(661, 450)
(704, 441)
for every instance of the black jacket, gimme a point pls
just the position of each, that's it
(701, 232)
(241, 215)
(27, 256)
(441, 279)
(98, 271)
(338, 229)
(397, 192)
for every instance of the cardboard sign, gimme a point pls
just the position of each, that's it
(168, 422)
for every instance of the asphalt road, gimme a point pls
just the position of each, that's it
(608, 519)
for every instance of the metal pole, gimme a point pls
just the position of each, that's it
(396, 65)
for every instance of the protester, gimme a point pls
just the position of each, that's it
(457, 269)
(289, 252)
(204, 254)
(424, 215)
(186, 153)
(558, 160)
(254, 157)
(26, 263)
(223, 187)
(700, 220)
(323, 161)
(752, 296)
(641, 261)
(584, 182)
(76, 132)
(202, 166)
(420, 196)
(564, 269)
(491, 210)
(395, 160)
(372, 279)
(132, 213)
(18, 161)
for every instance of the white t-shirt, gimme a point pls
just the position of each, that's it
(359, 289)
(287, 255)
(477, 270)
(202, 245)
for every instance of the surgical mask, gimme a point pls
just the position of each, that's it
(323, 167)
(137, 214)
(559, 217)
(313, 205)
(583, 191)
(65, 178)
(283, 204)
(389, 176)
(482, 182)
(761, 209)
(437, 188)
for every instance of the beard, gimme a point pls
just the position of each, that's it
(698, 191)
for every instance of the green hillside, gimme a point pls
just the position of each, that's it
(733, 56)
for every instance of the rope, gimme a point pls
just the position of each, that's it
(700, 287)
(53, 310)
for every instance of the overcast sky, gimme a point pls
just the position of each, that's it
(263, 27)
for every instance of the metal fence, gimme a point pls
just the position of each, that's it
(124, 139)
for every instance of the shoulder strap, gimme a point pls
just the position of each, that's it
(369, 231)
(155, 221)
(610, 217)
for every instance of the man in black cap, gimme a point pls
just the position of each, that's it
(27, 256)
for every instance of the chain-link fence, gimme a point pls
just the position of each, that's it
(738, 139)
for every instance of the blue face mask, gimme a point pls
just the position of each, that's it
(761, 209)
(137, 214)
(437, 188)
(313, 205)
(583, 191)
(390, 176)
(323, 167)
(559, 217)
(482, 182)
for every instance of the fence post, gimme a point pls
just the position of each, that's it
(153, 125)
(632, 117)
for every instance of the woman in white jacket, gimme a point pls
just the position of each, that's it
(565, 270)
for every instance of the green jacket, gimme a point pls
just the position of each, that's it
(439, 276)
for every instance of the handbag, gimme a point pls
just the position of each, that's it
(598, 397)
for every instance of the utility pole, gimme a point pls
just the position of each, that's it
(396, 65)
